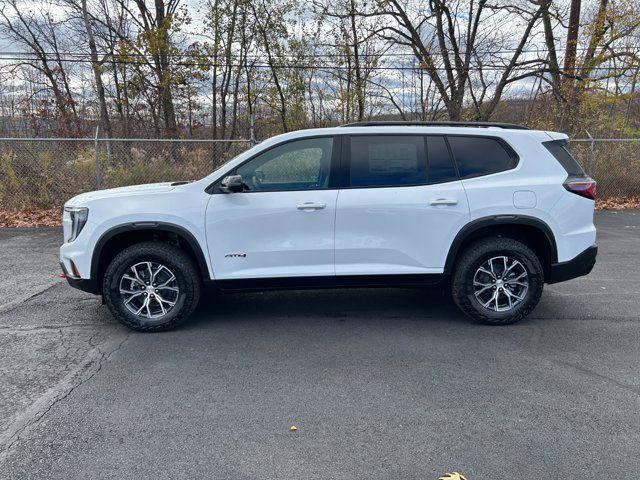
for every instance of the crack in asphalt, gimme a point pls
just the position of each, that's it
(10, 329)
(591, 318)
(596, 375)
(12, 305)
(85, 371)
(548, 290)
(532, 350)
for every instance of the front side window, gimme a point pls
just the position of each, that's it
(387, 161)
(478, 156)
(297, 165)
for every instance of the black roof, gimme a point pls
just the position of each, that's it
(401, 123)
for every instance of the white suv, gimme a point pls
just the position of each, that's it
(492, 210)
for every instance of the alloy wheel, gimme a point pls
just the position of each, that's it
(149, 290)
(500, 283)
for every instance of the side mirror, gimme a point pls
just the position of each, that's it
(232, 184)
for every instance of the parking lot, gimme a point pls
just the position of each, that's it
(385, 383)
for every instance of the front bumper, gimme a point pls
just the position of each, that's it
(84, 284)
(579, 266)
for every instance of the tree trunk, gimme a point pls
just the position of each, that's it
(97, 72)
(569, 70)
(164, 72)
(359, 87)
(572, 40)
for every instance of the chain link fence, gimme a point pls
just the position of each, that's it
(613, 162)
(44, 173)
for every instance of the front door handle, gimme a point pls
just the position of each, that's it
(311, 206)
(444, 201)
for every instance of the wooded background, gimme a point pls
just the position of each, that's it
(201, 68)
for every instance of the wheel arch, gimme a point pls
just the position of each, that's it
(119, 237)
(531, 231)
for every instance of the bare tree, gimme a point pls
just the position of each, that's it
(97, 61)
(447, 39)
(154, 48)
(272, 32)
(40, 36)
(608, 52)
(143, 72)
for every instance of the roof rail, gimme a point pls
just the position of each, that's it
(401, 123)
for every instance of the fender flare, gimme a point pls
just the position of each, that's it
(498, 220)
(159, 226)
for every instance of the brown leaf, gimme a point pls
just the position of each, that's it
(51, 217)
(617, 203)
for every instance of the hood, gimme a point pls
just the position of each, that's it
(148, 188)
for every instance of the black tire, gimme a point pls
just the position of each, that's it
(473, 257)
(186, 280)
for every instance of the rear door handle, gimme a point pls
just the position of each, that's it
(444, 201)
(311, 206)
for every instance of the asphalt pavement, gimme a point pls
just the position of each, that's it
(381, 383)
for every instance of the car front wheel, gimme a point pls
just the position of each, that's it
(497, 281)
(151, 286)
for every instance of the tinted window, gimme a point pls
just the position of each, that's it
(440, 165)
(565, 159)
(386, 161)
(297, 165)
(477, 156)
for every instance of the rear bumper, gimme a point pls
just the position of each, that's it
(579, 266)
(84, 284)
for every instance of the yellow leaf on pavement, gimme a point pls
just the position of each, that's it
(453, 476)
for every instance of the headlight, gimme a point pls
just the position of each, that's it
(78, 217)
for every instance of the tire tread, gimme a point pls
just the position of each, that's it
(482, 248)
(179, 259)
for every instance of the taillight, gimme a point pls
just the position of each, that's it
(585, 187)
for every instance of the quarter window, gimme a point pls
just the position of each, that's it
(386, 161)
(298, 165)
(478, 156)
(562, 155)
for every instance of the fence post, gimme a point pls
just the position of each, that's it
(95, 145)
(591, 152)
(252, 131)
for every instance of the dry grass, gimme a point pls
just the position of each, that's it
(38, 175)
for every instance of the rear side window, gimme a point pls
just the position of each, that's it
(476, 156)
(387, 161)
(562, 155)
(441, 167)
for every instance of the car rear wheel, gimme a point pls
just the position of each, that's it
(497, 281)
(151, 286)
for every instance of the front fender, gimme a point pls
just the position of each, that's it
(198, 245)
